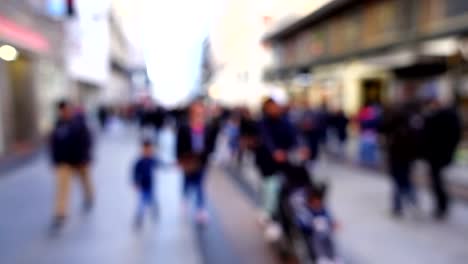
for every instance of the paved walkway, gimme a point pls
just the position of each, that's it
(106, 235)
(361, 200)
(358, 198)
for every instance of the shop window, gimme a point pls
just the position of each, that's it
(456, 8)
(372, 91)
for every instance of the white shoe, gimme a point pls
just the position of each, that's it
(273, 232)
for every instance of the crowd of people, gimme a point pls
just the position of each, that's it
(286, 142)
(399, 134)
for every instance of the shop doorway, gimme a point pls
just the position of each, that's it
(372, 91)
(23, 119)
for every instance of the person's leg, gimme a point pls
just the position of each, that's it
(363, 152)
(87, 185)
(140, 214)
(284, 212)
(200, 194)
(396, 174)
(270, 195)
(439, 191)
(63, 174)
(319, 246)
(407, 185)
(373, 152)
(198, 185)
(153, 203)
(186, 186)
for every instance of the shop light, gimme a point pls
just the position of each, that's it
(8, 53)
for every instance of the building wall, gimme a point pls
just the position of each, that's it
(3, 106)
(118, 90)
(23, 119)
(237, 48)
(88, 50)
(52, 85)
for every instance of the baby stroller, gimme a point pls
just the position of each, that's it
(306, 223)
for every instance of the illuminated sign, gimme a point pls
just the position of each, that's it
(23, 36)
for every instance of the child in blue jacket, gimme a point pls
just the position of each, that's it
(143, 181)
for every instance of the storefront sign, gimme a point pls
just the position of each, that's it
(23, 36)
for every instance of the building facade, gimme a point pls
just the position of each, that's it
(32, 78)
(357, 52)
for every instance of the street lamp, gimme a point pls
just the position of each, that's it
(8, 53)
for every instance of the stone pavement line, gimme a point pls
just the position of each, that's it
(360, 201)
(238, 218)
(105, 236)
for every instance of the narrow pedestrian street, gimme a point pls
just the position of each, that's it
(107, 234)
(359, 201)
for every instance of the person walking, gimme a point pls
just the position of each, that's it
(368, 118)
(441, 135)
(339, 124)
(277, 139)
(400, 126)
(143, 181)
(195, 142)
(103, 116)
(310, 127)
(70, 149)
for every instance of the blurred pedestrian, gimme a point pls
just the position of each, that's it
(158, 118)
(323, 122)
(195, 142)
(103, 116)
(233, 137)
(311, 126)
(441, 135)
(278, 138)
(147, 122)
(369, 118)
(70, 146)
(400, 126)
(248, 133)
(339, 125)
(143, 181)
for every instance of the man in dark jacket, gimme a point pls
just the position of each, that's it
(195, 142)
(339, 125)
(277, 138)
(441, 135)
(401, 125)
(70, 145)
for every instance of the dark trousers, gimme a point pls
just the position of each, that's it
(321, 245)
(146, 201)
(403, 187)
(438, 188)
(194, 182)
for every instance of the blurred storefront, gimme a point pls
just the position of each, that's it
(31, 75)
(87, 52)
(359, 52)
